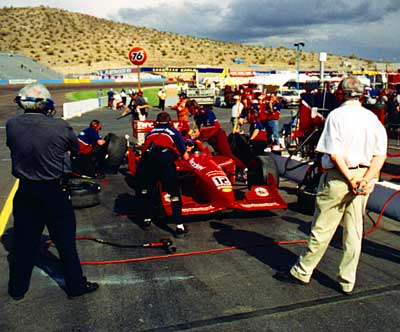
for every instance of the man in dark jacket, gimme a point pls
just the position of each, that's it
(40, 146)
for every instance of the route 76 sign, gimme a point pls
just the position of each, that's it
(137, 55)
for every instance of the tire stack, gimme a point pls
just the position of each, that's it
(84, 193)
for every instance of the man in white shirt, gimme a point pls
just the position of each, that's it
(354, 147)
(162, 96)
(236, 111)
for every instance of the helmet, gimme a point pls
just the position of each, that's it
(35, 97)
(96, 125)
(163, 118)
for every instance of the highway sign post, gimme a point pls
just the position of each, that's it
(138, 56)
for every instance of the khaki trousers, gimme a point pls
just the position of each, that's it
(335, 204)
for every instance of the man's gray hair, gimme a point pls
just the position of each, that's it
(28, 95)
(352, 87)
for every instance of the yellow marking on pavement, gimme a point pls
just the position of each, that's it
(7, 208)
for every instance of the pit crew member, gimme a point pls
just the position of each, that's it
(257, 132)
(163, 145)
(138, 108)
(39, 146)
(210, 130)
(272, 117)
(87, 161)
(181, 109)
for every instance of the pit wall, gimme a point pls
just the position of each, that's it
(376, 201)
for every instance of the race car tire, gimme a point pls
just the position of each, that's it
(259, 170)
(83, 193)
(115, 150)
(131, 181)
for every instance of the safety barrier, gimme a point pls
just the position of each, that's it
(47, 81)
(79, 81)
(106, 80)
(77, 108)
(76, 80)
(21, 81)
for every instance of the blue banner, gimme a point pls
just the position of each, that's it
(48, 81)
(102, 81)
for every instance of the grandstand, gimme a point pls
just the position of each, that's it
(19, 67)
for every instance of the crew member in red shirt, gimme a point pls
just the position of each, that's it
(87, 161)
(182, 111)
(163, 145)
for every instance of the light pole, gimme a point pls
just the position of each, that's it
(298, 45)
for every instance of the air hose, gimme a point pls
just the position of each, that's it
(163, 243)
(218, 250)
(286, 168)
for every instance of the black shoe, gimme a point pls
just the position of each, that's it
(180, 233)
(286, 276)
(90, 287)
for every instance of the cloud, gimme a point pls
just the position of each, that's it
(366, 28)
(198, 19)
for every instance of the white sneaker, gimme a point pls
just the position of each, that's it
(268, 149)
(244, 174)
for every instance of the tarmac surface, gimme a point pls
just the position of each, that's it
(232, 290)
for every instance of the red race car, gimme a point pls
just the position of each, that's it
(208, 183)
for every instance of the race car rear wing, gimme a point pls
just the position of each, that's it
(147, 126)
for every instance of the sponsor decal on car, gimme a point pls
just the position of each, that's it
(195, 165)
(261, 191)
(222, 182)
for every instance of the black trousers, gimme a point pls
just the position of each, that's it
(161, 104)
(38, 204)
(156, 166)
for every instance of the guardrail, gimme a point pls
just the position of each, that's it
(77, 108)
(79, 81)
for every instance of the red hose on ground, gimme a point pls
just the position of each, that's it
(218, 250)
(190, 253)
(393, 154)
(373, 228)
(390, 175)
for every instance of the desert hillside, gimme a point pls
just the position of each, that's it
(74, 43)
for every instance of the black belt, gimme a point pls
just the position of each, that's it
(358, 166)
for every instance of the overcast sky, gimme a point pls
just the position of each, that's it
(366, 28)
